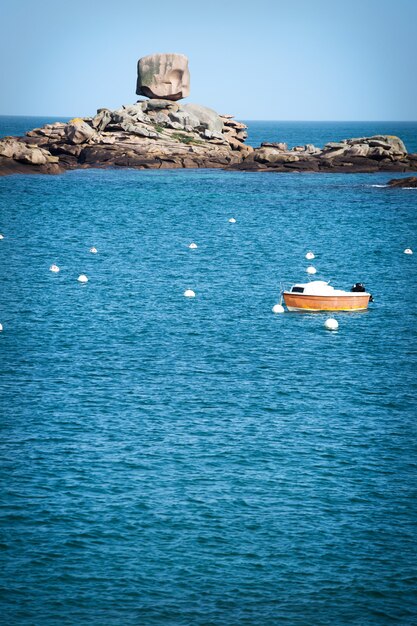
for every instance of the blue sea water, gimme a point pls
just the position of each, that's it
(21, 124)
(319, 133)
(203, 461)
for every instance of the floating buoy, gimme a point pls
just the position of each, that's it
(1, 236)
(189, 293)
(310, 255)
(93, 250)
(278, 308)
(311, 270)
(193, 246)
(232, 220)
(54, 268)
(82, 278)
(1, 327)
(408, 251)
(331, 324)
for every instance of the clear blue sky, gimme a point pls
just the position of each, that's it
(260, 59)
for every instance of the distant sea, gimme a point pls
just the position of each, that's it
(293, 133)
(201, 461)
(319, 133)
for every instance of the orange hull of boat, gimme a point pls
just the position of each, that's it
(297, 301)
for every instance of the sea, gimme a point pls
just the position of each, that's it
(203, 461)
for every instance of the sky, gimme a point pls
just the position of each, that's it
(259, 59)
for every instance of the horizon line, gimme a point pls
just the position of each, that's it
(240, 117)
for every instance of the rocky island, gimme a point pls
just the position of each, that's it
(159, 132)
(380, 153)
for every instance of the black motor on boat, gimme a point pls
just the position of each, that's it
(360, 287)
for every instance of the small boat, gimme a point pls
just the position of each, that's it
(318, 295)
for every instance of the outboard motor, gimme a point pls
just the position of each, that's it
(360, 287)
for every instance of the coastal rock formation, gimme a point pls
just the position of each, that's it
(155, 133)
(77, 131)
(364, 154)
(19, 156)
(163, 76)
(162, 133)
(410, 181)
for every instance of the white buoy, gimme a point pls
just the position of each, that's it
(232, 220)
(54, 268)
(189, 293)
(193, 246)
(310, 256)
(1, 327)
(331, 324)
(93, 250)
(1, 236)
(311, 270)
(408, 251)
(278, 308)
(82, 278)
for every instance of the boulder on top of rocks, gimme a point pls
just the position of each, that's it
(184, 118)
(78, 131)
(102, 119)
(156, 104)
(279, 145)
(208, 118)
(273, 155)
(388, 142)
(377, 146)
(163, 76)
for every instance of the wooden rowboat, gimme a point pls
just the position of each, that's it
(318, 295)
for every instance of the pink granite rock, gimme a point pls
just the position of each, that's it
(163, 76)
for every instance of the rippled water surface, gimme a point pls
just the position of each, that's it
(203, 461)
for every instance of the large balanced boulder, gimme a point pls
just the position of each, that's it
(163, 76)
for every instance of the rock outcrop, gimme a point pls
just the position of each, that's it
(155, 133)
(163, 76)
(410, 181)
(365, 154)
(19, 156)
